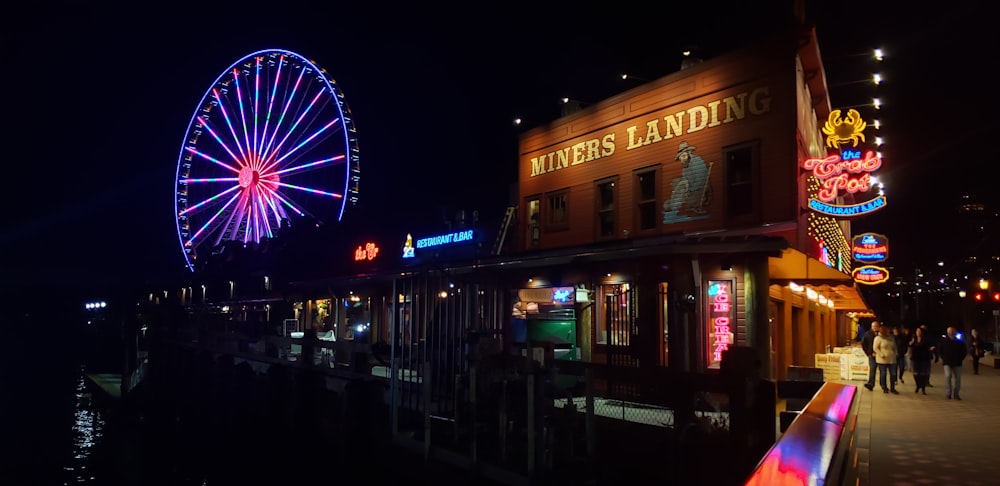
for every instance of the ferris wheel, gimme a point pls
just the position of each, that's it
(272, 140)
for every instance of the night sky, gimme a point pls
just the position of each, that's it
(99, 98)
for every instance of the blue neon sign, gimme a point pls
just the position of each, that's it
(837, 210)
(446, 239)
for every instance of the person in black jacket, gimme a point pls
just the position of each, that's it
(866, 344)
(921, 353)
(977, 349)
(934, 353)
(902, 341)
(952, 352)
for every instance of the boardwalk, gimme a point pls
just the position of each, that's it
(915, 439)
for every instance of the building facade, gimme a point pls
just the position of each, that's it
(686, 201)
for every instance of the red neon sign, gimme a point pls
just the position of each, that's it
(720, 317)
(835, 172)
(367, 253)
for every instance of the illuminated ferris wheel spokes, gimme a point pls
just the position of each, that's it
(256, 152)
(287, 148)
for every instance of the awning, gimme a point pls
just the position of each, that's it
(793, 266)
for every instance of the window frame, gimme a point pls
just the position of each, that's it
(638, 203)
(600, 211)
(532, 240)
(752, 182)
(550, 224)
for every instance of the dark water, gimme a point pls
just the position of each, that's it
(55, 431)
(50, 435)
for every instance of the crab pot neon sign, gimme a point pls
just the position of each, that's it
(847, 172)
(870, 248)
(870, 275)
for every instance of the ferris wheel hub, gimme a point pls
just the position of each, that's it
(248, 177)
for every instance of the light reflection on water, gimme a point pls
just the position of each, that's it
(88, 429)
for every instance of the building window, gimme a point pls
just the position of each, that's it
(615, 315)
(557, 211)
(645, 198)
(607, 211)
(740, 181)
(534, 232)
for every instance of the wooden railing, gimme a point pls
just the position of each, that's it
(817, 447)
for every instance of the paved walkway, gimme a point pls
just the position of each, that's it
(915, 439)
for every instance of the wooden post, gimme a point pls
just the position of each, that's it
(426, 379)
(474, 417)
(531, 423)
(394, 386)
(455, 425)
(503, 421)
(589, 422)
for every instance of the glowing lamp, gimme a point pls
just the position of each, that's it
(984, 284)
(979, 296)
(996, 296)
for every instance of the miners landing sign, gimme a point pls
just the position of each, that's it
(692, 119)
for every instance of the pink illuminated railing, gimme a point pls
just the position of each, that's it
(816, 448)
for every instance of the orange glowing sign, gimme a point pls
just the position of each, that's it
(870, 275)
(367, 253)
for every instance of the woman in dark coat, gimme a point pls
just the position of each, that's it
(921, 353)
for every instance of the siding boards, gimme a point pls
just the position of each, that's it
(704, 85)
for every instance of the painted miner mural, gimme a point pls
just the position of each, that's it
(691, 193)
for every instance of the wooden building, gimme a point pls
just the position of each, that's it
(685, 203)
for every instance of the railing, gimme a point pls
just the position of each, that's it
(817, 446)
(345, 358)
(515, 417)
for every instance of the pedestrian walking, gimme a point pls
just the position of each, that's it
(977, 349)
(908, 359)
(885, 355)
(867, 341)
(902, 342)
(934, 352)
(921, 353)
(952, 352)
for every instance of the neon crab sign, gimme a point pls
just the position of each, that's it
(846, 172)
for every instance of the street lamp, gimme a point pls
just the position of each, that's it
(984, 284)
